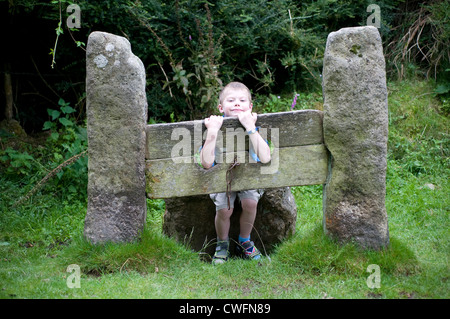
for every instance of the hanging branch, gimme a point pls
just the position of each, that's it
(59, 31)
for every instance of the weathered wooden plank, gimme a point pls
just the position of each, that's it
(290, 166)
(284, 129)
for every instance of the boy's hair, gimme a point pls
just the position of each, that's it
(234, 85)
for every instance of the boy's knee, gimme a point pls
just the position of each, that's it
(225, 213)
(249, 205)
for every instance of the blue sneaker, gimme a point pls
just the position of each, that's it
(247, 250)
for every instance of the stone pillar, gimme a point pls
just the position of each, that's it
(117, 116)
(355, 132)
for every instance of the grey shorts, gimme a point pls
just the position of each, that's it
(221, 201)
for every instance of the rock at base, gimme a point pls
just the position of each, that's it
(190, 220)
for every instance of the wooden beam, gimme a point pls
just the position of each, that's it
(290, 166)
(284, 129)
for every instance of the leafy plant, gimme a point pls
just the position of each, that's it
(67, 140)
(65, 109)
(281, 103)
(271, 104)
(17, 162)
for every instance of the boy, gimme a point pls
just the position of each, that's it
(234, 101)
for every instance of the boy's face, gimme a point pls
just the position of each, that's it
(234, 102)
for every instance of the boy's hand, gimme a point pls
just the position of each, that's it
(248, 119)
(214, 122)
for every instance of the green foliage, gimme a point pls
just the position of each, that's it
(418, 134)
(192, 47)
(16, 161)
(420, 44)
(272, 46)
(281, 103)
(66, 110)
(28, 163)
(67, 139)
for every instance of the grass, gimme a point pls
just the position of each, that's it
(39, 239)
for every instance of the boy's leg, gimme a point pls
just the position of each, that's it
(223, 214)
(249, 202)
(222, 223)
(248, 216)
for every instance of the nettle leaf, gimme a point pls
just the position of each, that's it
(48, 125)
(53, 113)
(61, 102)
(54, 136)
(65, 121)
(442, 89)
(67, 109)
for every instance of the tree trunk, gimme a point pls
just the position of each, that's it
(8, 94)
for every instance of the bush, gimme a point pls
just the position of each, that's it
(420, 44)
(192, 47)
(62, 155)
